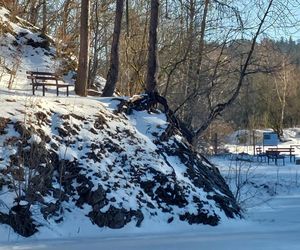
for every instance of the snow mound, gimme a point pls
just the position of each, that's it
(71, 162)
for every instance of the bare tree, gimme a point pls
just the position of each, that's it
(44, 28)
(82, 73)
(151, 82)
(113, 72)
(220, 107)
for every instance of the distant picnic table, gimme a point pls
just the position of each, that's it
(44, 79)
(275, 154)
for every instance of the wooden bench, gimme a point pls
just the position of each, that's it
(275, 156)
(290, 151)
(260, 155)
(44, 79)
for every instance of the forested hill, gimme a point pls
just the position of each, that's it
(290, 48)
(72, 166)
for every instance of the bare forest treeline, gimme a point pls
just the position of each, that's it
(218, 67)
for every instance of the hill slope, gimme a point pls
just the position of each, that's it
(71, 163)
(66, 155)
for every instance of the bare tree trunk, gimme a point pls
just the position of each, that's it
(82, 72)
(65, 16)
(93, 67)
(33, 13)
(284, 97)
(190, 86)
(151, 82)
(282, 94)
(113, 72)
(127, 18)
(202, 34)
(44, 29)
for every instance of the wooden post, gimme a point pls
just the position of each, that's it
(253, 141)
(215, 143)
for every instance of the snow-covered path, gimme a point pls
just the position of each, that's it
(274, 225)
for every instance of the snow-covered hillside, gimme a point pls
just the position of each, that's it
(76, 161)
(23, 47)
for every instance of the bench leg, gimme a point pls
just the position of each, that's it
(67, 90)
(292, 158)
(33, 89)
(44, 89)
(56, 91)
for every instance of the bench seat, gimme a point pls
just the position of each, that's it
(44, 79)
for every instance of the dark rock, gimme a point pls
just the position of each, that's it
(224, 203)
(202, 217)
(50, 209)
(115, 218)
(204, 175)
(148, 187)
(19, 218)
(172, 196)
(170, 219)
(92, 130)
(100, 121)
(54, 146)
(83, 189)
(59, 220)
(38, 44)
(42, 118)
(78, 117)
(97, 196)
(33, 197)
(138, 216)
(59, 194)
(3, 124)
(150, 205)
(22, 130)
(113, 199)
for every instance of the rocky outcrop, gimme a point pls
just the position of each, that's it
(118, 167)
(19, 218)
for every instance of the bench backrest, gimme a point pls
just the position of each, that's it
(282, 149)
(38, 73)
(38, 77)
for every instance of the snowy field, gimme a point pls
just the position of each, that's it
(269, 194)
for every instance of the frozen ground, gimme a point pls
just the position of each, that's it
(275, 225)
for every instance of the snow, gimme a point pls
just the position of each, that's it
(273, 226)
(271, 219)
(269, 194)
(140, 124)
